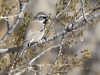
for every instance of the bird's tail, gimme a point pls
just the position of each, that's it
(20, 53)
(22, 50)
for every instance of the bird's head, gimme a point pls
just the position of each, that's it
(42, 17)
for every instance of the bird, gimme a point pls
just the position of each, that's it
(34, 32)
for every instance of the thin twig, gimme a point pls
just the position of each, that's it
(83, 11)
(57, 17)
(21, 12)
(20, 4)
(62, 41)
(59, 54)
(39, 65)
(29, 68)
(12, 65)
(7, 18)
(15, 23)
(65, 31)
(8, 26)
(88, 13)
(30, 63)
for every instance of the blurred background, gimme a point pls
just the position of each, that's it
(90, 39)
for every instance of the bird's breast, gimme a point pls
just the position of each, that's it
(38, 36)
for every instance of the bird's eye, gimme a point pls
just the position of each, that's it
(44, 17)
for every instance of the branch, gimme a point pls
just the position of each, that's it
(32, 68)
(20, 4)
(70, 28)
(25, 69)
(8, 27)
(97, 8)
(7, 18)
(29, 68)
(30, 63)
(57, 17)
(60, 51)
(15, 24)
(83, 11)
(13, 49)
(59, 54)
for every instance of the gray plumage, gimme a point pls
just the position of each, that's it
(34, 32)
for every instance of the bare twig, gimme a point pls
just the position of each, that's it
(83, 11)
(21, 12)
(8, 26)
(12, 65)
(65, 31)
(62, 41)
(70, 28)
(59, 54)
(30, 63)
(7, 18)
(15, 23)
(29, 69)
(39, 65)
(91, 11)
(57, 17)
(20, 4)
(57, 72)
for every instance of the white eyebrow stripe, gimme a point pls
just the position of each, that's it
(41, 15)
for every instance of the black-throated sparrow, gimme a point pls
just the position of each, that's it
(34, 32)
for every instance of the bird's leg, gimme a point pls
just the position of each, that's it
(29, 44)
(44, 38)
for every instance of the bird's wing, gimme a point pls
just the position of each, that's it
(33, 29)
